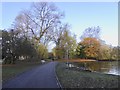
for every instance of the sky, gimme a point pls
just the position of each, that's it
(80, 15)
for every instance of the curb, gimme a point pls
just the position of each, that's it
(58, 81)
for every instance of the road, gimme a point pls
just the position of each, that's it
(43, 76)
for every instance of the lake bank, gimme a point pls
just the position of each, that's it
(82, 79)
(76, 60)
(102, 66)
(106, 67)
(83, 60)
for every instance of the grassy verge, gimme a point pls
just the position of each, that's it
(70, 78)
(9, 71)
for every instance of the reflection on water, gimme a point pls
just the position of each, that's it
(108, 67)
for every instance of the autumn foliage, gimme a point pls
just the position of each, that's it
(89, 48)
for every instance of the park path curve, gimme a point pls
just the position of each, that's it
(43, 76)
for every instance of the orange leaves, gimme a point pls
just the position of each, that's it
(90, 41)
(92, 46)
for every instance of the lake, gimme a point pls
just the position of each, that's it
(108, 67)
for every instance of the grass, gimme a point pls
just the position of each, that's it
(70, 78)
(9, 71)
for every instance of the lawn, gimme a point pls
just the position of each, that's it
(71, 78)
(9, 71)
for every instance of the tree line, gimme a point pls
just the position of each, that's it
(35, 28)
(93, 47)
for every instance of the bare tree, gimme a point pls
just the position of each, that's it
(43, 17)
(40, 20)
(92, 32)
(22, 25)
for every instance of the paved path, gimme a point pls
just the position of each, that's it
(40, 77)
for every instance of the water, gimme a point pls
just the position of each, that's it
(108, 67)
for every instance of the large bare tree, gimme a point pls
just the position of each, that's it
(39, 21)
